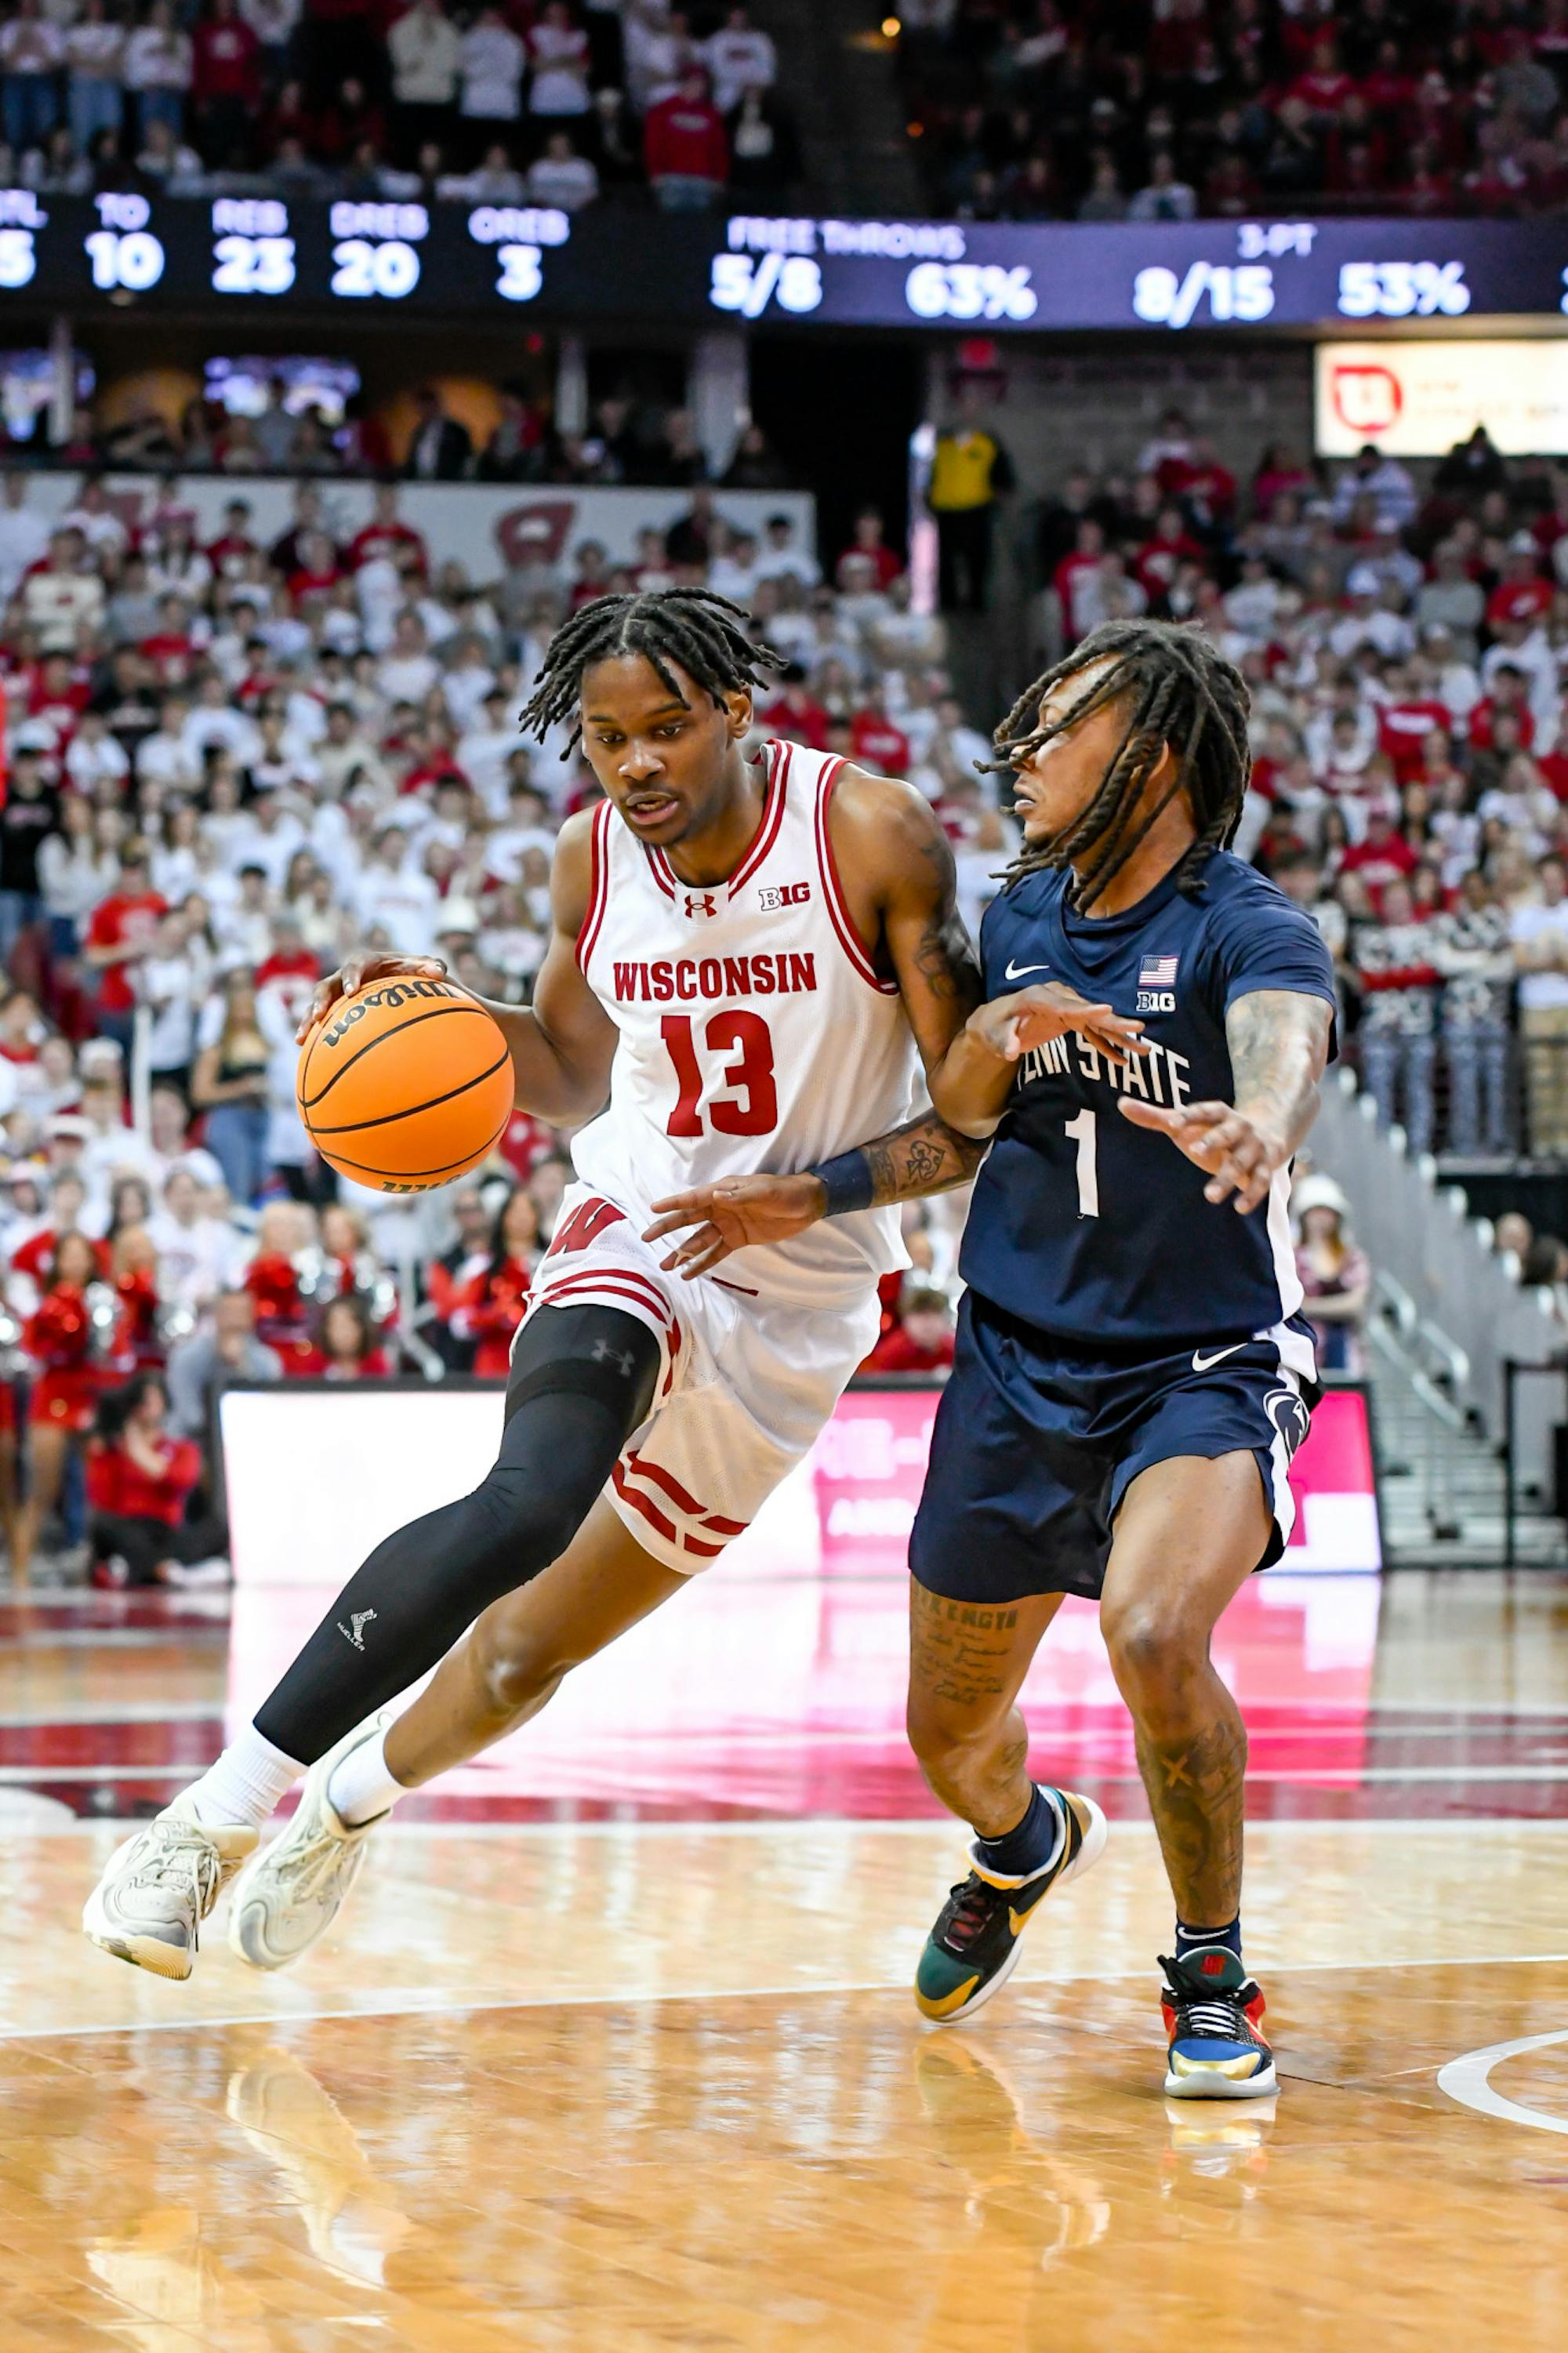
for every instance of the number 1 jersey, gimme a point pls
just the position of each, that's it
(755, 1034)
(1095, 1231)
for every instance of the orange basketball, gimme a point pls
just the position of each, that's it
(405, 1085)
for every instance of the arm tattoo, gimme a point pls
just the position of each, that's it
(945, 958)
(924, 1157)
(1279, 1042)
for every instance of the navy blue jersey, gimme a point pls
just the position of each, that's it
(1083, 1225)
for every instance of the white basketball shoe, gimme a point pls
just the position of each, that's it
(159, 1886)
(289, 1894)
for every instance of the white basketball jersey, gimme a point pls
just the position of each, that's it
(754, 1033)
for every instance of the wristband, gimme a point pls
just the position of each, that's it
(848, 1183)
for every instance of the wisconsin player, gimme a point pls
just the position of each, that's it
(745, 957)
(1132, 1375)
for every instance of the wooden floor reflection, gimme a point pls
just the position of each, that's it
(630, 2088)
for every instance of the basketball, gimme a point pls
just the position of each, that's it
(405, 1085)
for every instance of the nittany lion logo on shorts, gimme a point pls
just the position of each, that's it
(1287, 1412)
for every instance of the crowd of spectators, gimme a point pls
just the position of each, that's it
(537, 101)
(1406, 649)
(231, 760)
(630, 440)
(1162, 110)
(229, 763)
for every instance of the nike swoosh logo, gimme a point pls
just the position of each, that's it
(1017, 971)
(1200, 1362)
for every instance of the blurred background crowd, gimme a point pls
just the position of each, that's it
(1065, 109)
(1017, 110)
(233, 756)
(257, 419)
(253, 718)
(538, 101)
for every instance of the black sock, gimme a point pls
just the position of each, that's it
(424, 1585)
(1029, 1844)
(1190, 1939)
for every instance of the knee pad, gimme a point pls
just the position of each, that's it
(590, 1352)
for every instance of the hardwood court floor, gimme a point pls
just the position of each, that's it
(658, 2086)
(645, 2088)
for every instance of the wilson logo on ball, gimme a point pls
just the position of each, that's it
(392, 994)
(409, 1085)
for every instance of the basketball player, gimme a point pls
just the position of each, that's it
(1132, 1375)
(745, 957)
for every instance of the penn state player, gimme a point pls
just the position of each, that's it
(715, 920)
(1131, 1375)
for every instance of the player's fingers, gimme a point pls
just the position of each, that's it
(325, 996)
(1159, 1116)
(1117, 1041)
(684, 1252)
(707, 1248)
(678, 1209)
(1240, 1157)
(1260, 1175)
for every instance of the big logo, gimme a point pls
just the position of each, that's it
(1290, 1417)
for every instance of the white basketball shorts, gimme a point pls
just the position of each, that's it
(745, 1382)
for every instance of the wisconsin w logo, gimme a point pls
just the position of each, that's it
(352, 1633)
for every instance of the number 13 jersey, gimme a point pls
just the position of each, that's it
(755, 1034)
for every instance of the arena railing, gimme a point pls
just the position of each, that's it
(1467, 1295)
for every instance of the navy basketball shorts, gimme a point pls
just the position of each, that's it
(1036, 1442)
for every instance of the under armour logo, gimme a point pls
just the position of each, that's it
(702, 903)
(603, 1354)
(351, 1633)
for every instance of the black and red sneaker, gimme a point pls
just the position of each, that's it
(1212, 2011)
(973, 1946)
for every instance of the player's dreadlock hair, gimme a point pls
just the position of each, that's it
(701, 631)
(1179, 690)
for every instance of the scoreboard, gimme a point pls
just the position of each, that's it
(249, 251)
(386, 258)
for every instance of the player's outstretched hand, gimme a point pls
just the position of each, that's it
(1239, 1156)
(1009, 1026)
(355, 974)
(734, 1213)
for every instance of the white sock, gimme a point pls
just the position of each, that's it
(360, 1787)
(246, 1783)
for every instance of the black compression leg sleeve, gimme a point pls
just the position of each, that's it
(582, 1381)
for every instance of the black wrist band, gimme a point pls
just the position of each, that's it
(847, 1180)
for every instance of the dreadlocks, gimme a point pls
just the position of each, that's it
(703, 632)
(1177, 690)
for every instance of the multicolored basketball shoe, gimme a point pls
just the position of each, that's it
(1212, 2009)
(974, 1947)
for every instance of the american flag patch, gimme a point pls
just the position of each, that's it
(1157, 972)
